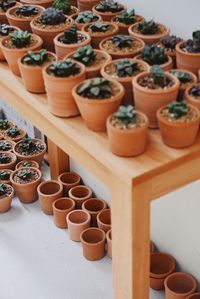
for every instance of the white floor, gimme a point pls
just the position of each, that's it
(38, 261)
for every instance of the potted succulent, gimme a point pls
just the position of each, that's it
(14, 134)
(186, 79)
(69, 41)
(5, 30)
(109, 243)
(30, 149)
(188, 53)
(149, 31)
(99, 31)
(93, 206)
(80, 194)
(5, 124)
(93, 60)
(44, 3)
(60, 77)
(152, 90)
(85, 17)
(6, 146)
(6, 196)
(21, 16)
(66, 7)
(61, 208)
(153, 54)
(179, 124)
(168, 43)
(31, 65)
(4, 6)
(16, 44)
(125, 20)
(127, 132)
(49, 24)
(96, 99)
(5, 176)
(77, 222)
(25, 163)
(192, 95)
(69, 180)
(25, 182)
(122, 46)
(85, 5)
(123, 70)
(7, 160)
(108, 9)
(104, 220)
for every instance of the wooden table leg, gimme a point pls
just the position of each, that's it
(58, 160)
(131, 240)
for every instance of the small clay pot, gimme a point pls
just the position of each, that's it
(107, 16)
(17, 138)
(109, 243)
(62, 207)
(37, 157)
(123, 28)
(104, 220)
(12, 54)
(84, 5)
(7, 141)
(5, 203)
(190, 99)
(10, 125)
(167, 66)
(179, 285)
(43, 3)
(2, 57)
(194, 296)
(161, 265)
(93, 243)
(33, 164)
(32, 75)
(10, 165)
(6, 181)
(93, 206)
(27, 193)
(80, 194)
(48, 192)
(3, 17)
(69, 180)
(77, 221)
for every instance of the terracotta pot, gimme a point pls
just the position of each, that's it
(122, 54)
(37, 158)
(10, 165)
(7, 142)
(179, 285)
(93, 206)
(61, 208)
(32, 75)
(59, 92)
(187, 61)
(104, 220)
(107, 16)
(178, 135)
(167, 66)
(63, 49)
(95, 112)
(129, 142)
(15, 139)
(94, 71)
(69, 180)
(190, 99)
(149, 39)
(80, 194)
(48, 35)
(80, 26)
(194, 296)
(10, 125)
(161, 265)
(33, 164)
(123, 28)
(48, 192)
(3, 17)
(109, 243)
(12, 55)
(73, 2)
(93, 243)
(74, 11)
(149, 101)
(86, 4)
(5, 202)
(77, 221)
(2, 57)
(128, 98)
(199, 75)
(22, 23)
(97, 38)
(44, 3)
(152, 247)
(27, 193)
(6, 181)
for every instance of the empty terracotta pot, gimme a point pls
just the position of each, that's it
(5, 202)
(104, 220)
(77, 221)
(62, 207)
(93, 243)
(80, 194)
(109, 243)
(161, 265)
(69, 180)
(179, 285)
(48, 192)
(93, 206)
(194, 296)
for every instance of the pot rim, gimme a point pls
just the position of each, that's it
(149, 36)
(49, 182)
(116, 29)
(193, 280)
(78, 211)
(61, 45)
(169, 61)
(80, 198)
(66, 173)
(35, 36)
(20, 162)
(180, 51)
(36, 155)
(26, 66)
(194, 77)
(188, 96)
(109, 232)
(25, 20)
(124, 25)
(12, 155)
(26, 184)
(62, 199)
(76, 14)
(93, 229)
(32, 1)
(109, 14)
(105, 210)
(191, 296)
(94, 199)
(44, 30)
(172, 261)
(10, 196)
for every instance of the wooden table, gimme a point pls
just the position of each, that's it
(133, 183)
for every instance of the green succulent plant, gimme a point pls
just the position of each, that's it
(109, 6)
(27, 10)
(2, 189)
(63, 5)
(26, 164)
(64, 68)
(4, 159)
(20, 39)
(85, 55)
(100, 27)
(33, 58)
(147, 27)
(25, 174)
(183, 77)
(52, 16)
(127, 18)
(126, 67)
(122, 41)
(192, 45)
(70, 36)
(178, 109)
(6, 4)
(126, 115)
(5, 146)
(4, 124)
(153, 54)
(85, 17)
(27, 145)
(195, 90)
(98, 88)
(170, 41)
(4, 175)
(13, 132)
(196, 39)
(158, 75)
